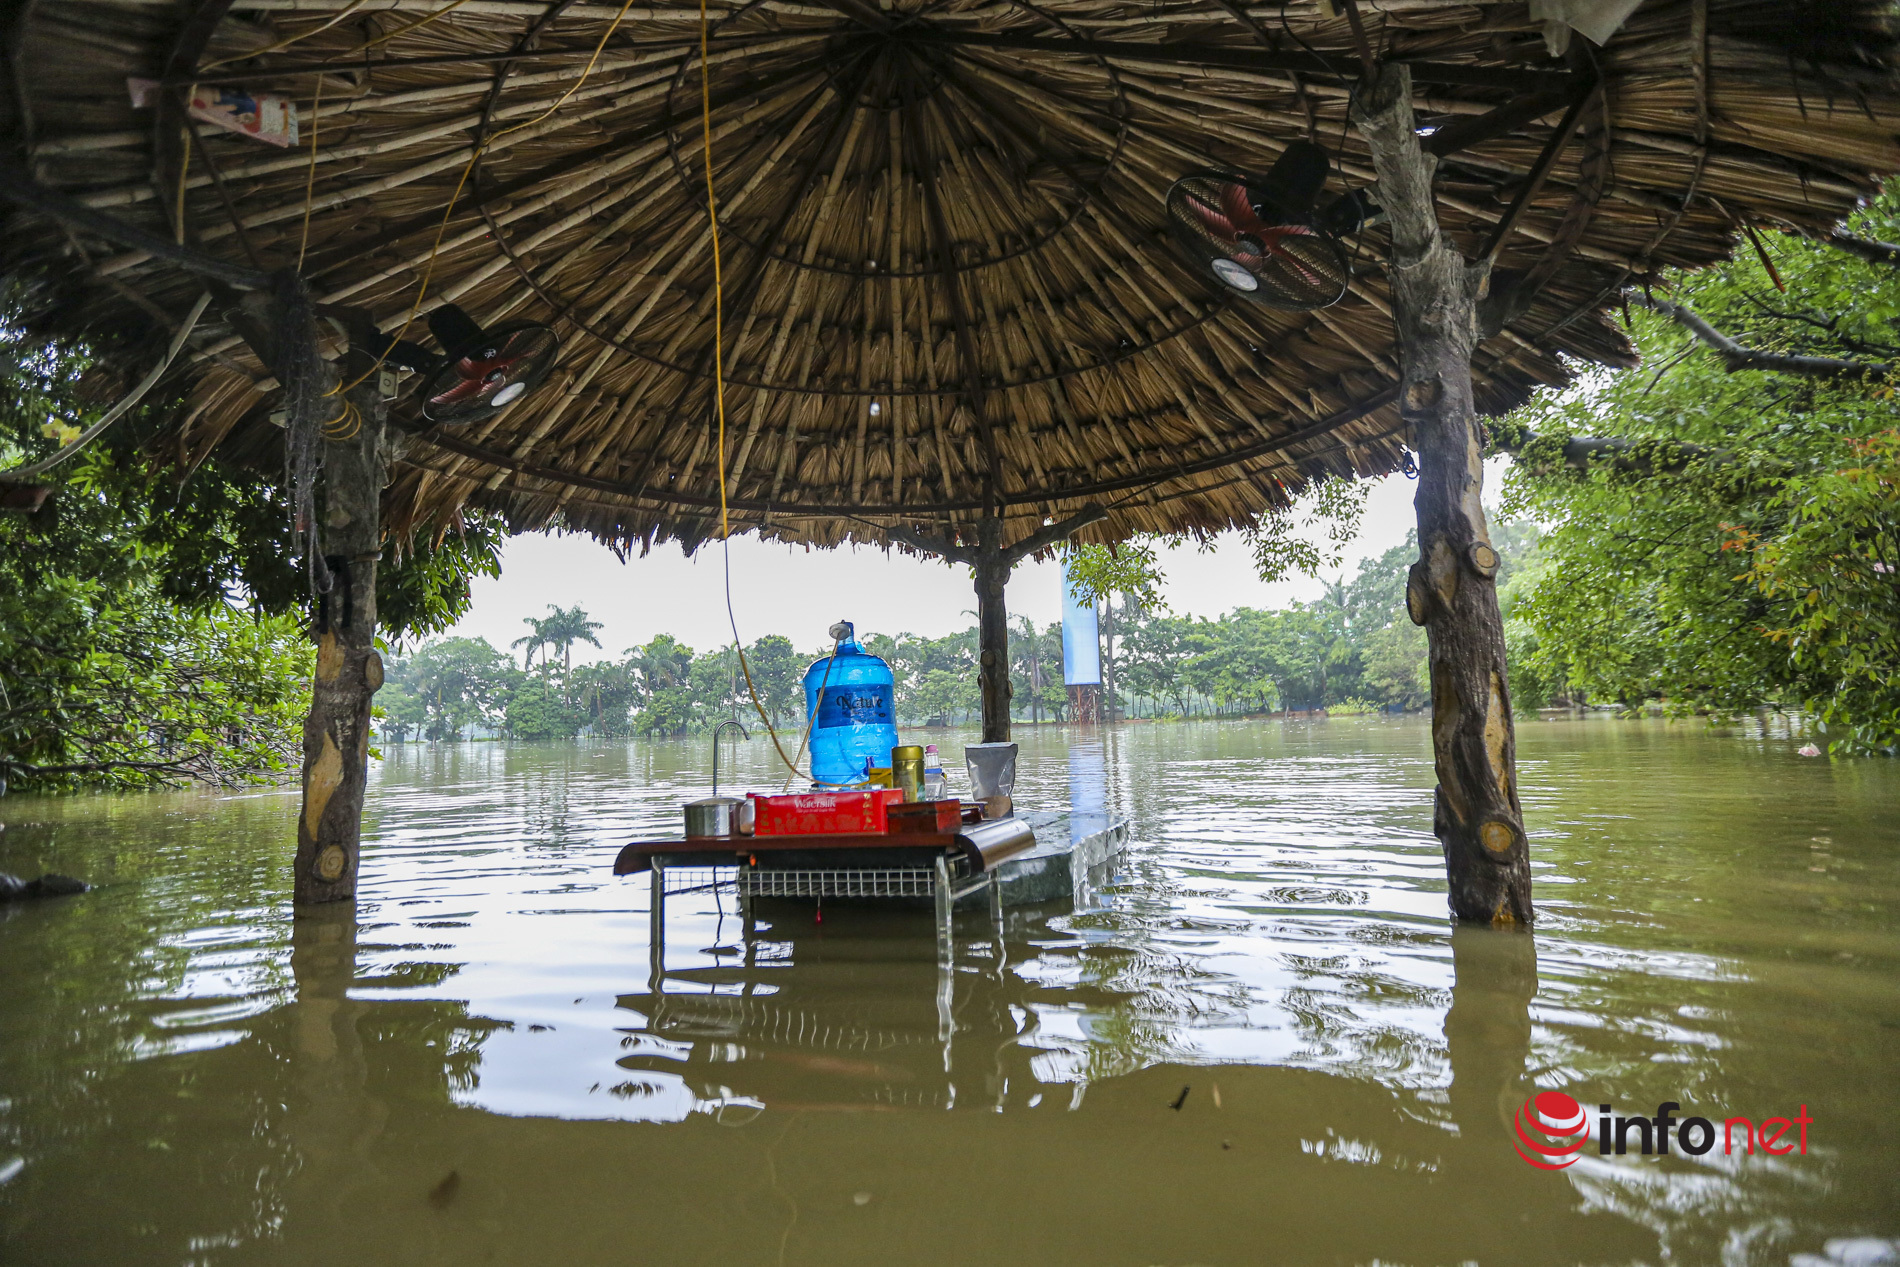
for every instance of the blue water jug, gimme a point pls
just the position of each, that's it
(855, 723)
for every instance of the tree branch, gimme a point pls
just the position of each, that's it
(1045, 537)
(181, 767)
(931, 543)
(1635, 457)
(945, 548)
(1873, 250)
(1737, 356)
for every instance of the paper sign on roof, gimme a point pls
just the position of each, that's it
(264, 116)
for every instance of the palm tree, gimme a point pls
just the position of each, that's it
(565, 628)
(562, 629)
(534, 641)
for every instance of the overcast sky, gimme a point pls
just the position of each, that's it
(798, 593)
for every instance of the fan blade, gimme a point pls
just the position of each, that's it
(1239, 207)
(1216, 224)
(466, 390)
(492, 373)
(1302, 268)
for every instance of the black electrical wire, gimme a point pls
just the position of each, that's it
(18, 186)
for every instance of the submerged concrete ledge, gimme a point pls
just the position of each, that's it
(1075, 849)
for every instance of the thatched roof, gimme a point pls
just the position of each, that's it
(944, 253)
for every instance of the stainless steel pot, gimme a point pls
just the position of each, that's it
(713, 816)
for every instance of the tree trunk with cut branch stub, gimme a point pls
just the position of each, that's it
(349, 670)
(1451, 591)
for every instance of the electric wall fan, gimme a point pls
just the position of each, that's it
(1267, 239)
(481, 372)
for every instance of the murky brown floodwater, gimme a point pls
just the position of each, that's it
(476, 1069)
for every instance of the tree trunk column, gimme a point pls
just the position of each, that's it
(336, 734)
(992, 623)
(1451, 590)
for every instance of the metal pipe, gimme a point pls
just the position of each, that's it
(732, 721)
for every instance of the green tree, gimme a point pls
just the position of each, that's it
(535, 709)
(1036, 669)
(664, 667)
(1392, 650)
(714, 683)
(935, 677)
(777, 676)
(462, 683)
(120, 592)
(534, 640)
(1312, 534)
(121, 688)
(399, 712)
(1395, 671)
(1156, 655)
(1723, 523)
(604, 695)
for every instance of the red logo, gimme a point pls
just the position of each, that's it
(1545, 1123)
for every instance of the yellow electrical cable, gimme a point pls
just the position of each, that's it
(419, 23)
(448, 213)
(310, 177)
(705, 100)
(719, 290)
(184, 166)
(364, 47)
(719, 409)
(287, 41)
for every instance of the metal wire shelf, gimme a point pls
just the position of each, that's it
(678, 880)
(837, 882)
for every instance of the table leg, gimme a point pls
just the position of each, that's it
(946, 959)
(996, 914)
(656, 930)
(946, 902)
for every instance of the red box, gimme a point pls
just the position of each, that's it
(819, 813)
(926, 816)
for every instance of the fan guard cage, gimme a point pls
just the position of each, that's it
(1236, 235)
(481, 380)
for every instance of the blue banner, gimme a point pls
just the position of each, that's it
(1081, 641)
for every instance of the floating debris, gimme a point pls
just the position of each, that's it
(443, 1194)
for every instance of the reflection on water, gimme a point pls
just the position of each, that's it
(1263, 1043)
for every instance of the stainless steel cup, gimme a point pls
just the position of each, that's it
(713, 816)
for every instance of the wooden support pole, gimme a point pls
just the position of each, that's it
(992, 629)
(336, 734)
(1451, 590)
(992, 562)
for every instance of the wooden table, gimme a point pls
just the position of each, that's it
(944, 866)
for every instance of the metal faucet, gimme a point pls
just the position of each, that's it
(743, 734)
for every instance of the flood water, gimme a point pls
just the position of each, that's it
(473, 1066)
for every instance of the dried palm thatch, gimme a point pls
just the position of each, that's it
(947, 280)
